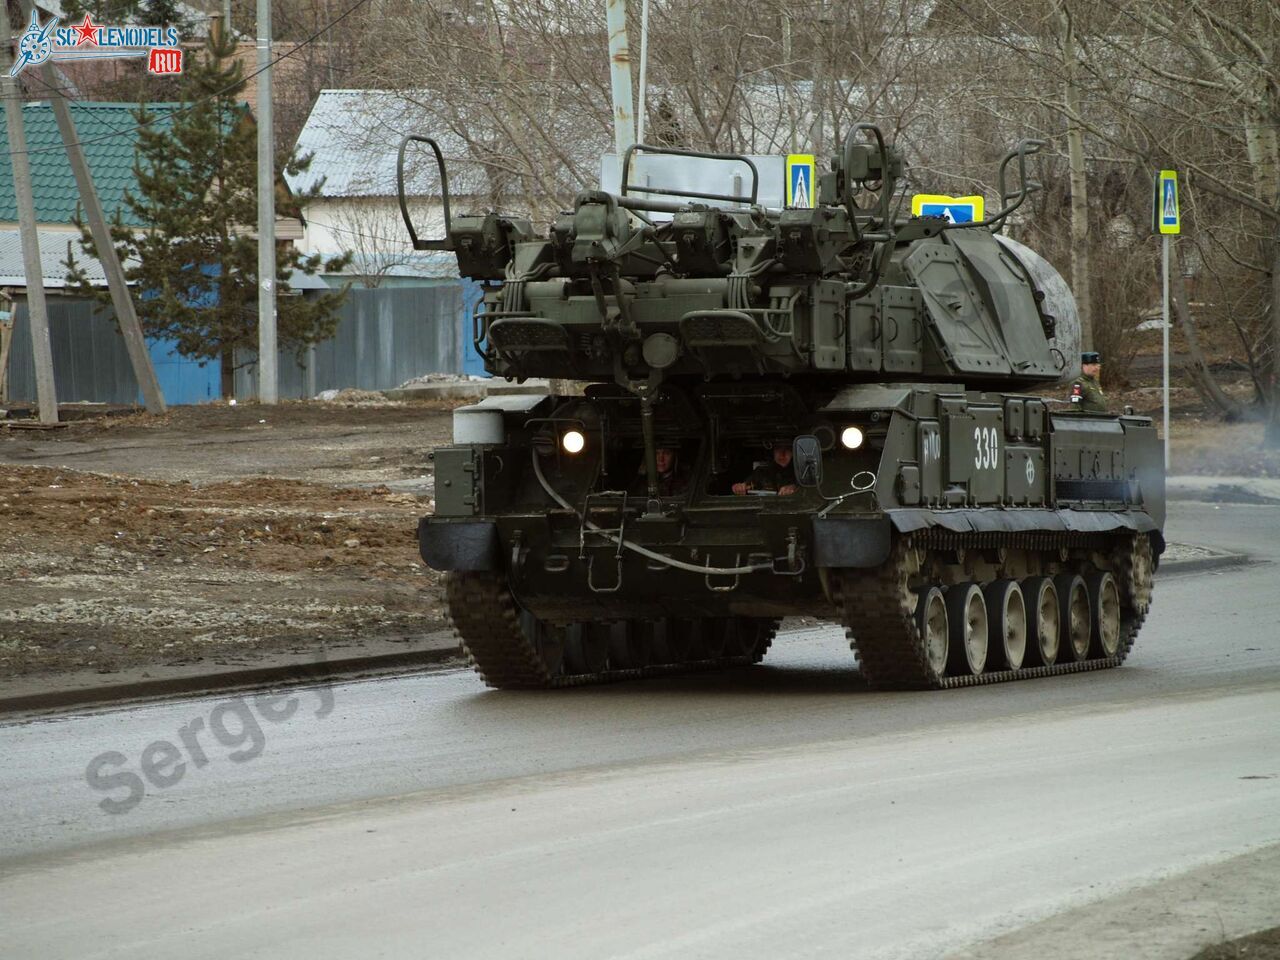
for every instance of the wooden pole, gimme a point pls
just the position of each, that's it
(37, 310)
(134, 341)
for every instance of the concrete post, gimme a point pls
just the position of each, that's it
(37, 310)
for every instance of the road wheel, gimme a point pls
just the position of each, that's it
(1043, 621)
(739, 636)
(1007, 618)
(1104, 602)
(587, 647)
(748, 638)
(715, 637)
(684, 640)
(1073, 613)
(549, 641)
(658, 636)
(629, 647)
(967, 615)
(931, 621)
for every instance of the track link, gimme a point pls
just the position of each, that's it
(494, 635)
(877, 609)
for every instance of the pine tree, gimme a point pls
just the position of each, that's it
(194, 264)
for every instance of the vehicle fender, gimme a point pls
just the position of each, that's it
(851, 541)
(458, 545)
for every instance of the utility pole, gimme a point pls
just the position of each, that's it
(817, 129)
(624, 126)
(1081, 272)
(37, 311)
(267, 359)
(134, 341)
(641, 110)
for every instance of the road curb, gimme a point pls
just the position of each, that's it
(1201, 564)
(223, 681)
(1258, 491)
(348, 668)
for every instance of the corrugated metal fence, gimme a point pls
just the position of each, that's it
(90, 362)
(385, 336)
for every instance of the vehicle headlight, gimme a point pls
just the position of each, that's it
(573, 441)
(852, 438)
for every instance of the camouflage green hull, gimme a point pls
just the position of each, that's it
(822, 411)
(976, 488)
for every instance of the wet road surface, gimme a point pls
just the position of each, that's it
(776, 811)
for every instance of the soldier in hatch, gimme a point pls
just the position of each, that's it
(1086, 392)
(673, 479)
(778, 475)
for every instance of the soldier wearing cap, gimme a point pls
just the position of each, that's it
(1086, 392)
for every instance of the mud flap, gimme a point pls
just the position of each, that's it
(458, 545)
(851, 541)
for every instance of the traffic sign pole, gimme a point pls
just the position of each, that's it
(1165, 328)
(1166, 219)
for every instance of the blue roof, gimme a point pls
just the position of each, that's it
(108, 135)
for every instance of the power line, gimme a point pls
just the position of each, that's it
(186, 108)
(364, 234)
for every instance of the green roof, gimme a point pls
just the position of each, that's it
(108, 134)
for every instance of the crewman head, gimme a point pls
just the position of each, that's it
(1091, 364)
(666, 458)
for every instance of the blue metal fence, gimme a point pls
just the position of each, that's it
(90, 362)
(385, 336)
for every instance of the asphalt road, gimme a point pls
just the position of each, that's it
(781, 811)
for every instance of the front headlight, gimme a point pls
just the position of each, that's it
(573, 441)
(852, 438)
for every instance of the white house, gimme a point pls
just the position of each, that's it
(352, 138)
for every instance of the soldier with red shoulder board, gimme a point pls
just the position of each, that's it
(1086, 392)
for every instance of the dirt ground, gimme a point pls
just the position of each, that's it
(215, 532)
(1264, 945)
(227, 534)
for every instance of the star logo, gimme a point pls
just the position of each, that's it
(88, 31)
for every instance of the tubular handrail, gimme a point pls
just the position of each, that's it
(446, 243)
(674, 152)
(1020, 152)
(886, 183)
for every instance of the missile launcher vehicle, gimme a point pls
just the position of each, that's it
(826, 411)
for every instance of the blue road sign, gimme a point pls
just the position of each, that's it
(1167, 208)
(800, 171)
(955, 212)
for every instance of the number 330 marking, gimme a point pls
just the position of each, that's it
(986, 448)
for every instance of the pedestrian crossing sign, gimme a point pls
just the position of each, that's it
(1167, 209)
(952, 209)
(801, 169)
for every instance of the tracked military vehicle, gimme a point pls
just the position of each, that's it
(826, 411)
